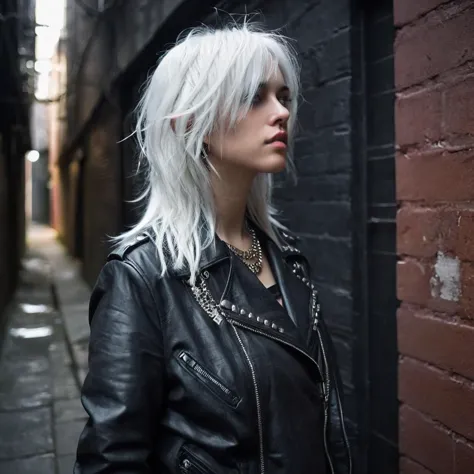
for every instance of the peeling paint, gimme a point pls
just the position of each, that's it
(446, 282)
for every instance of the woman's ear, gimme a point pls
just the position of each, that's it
(188, 125)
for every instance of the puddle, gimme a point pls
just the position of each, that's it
(66, 275)
(36, 264)
(32, 333)
(36, 308)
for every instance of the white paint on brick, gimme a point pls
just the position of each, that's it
(446, 281)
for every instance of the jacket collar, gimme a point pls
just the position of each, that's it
(219, 252)
(211, 255)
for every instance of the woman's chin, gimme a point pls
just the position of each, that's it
(275, 164)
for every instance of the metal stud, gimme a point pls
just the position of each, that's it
(266, 322)
(259, 319)
(250, 315)
(242, 312)
(274, 326)
(235, 309)
(226, 304)
(281, 330)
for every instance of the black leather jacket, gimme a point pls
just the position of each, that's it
(172, 390)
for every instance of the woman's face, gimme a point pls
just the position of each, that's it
(258, 142)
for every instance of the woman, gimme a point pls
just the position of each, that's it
(207, 350)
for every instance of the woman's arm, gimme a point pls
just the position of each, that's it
(123, 390)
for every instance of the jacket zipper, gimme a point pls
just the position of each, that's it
(257, 398)
(326, 401)
(346, 438)
(190, 464)
(190, 362)
(237, 323)
(326, 398)
(339, 408)
(259, 417)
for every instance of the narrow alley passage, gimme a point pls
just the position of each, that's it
(43, 362)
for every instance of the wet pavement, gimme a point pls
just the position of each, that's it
(42, 363)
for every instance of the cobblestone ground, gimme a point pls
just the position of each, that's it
(40, 412)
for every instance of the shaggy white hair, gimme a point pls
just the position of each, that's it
(206, 82)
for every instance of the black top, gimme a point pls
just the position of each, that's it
(275, 290)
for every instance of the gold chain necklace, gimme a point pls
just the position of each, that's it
(254, 253)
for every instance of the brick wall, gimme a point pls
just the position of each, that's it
(434, 74)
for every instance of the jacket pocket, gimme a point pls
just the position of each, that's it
(189, 463)
(211, 381)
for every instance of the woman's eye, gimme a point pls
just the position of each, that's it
(257, 99)
(285, 101)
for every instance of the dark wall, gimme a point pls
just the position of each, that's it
(16, 47)
(101, 191)
(13, 145)
(374, 208)
(40, 190)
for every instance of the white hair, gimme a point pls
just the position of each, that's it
(206, 82)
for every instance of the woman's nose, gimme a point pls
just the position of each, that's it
(282, 114)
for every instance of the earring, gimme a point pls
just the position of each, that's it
(204, 154)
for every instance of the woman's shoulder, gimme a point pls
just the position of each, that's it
(141, 254)
(128, 250)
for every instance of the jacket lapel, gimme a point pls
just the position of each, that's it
(296, 295)
(244, 298)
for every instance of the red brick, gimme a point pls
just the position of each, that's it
(425, 441)
(458, 107)
(418, 118)
(435, 176)
(467, 290)
(424, 284)
(433, 47)
(446, 344)
(413, 282)
(465, 235)
(439, 396)
(405, 11)
(463, 457)
(407, 466)
(422, 232)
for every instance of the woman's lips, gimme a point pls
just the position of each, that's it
(278, 144)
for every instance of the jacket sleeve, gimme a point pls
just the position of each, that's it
(123, 390)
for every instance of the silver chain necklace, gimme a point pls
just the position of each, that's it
(254, 253)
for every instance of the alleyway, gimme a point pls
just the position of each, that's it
(42, 364)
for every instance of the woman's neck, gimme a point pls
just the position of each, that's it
(231, 191)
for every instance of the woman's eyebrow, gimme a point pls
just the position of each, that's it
(282, 88)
